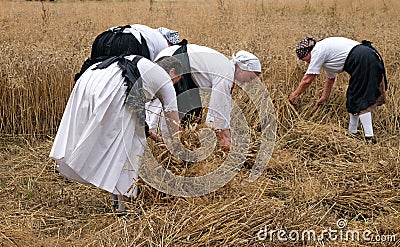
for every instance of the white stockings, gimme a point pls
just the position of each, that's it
(366, 122)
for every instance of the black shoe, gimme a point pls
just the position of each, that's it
(356, 135)
(371, 139)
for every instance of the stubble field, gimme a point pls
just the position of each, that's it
(316, 178)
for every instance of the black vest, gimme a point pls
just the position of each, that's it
(187, 92)
(114, 43)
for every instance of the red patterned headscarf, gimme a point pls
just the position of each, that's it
(304, 47)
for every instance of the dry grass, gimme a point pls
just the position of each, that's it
(317, 174)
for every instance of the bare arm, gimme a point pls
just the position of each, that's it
(327, 90)
(172, 120)
(303, 85)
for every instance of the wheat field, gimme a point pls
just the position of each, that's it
(317, 176)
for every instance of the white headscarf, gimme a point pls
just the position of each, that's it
(170, 35)
(246, 61)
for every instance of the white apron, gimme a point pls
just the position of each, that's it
(99, 140)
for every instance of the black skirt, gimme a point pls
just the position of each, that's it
(366, 70)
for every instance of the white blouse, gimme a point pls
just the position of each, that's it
(154, 39)
(330, 54)
(212, 72)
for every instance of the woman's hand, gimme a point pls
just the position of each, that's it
(225, 138)
(321, 101)
(155, 137)
(292, 99)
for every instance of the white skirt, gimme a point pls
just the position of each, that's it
(99, 140)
